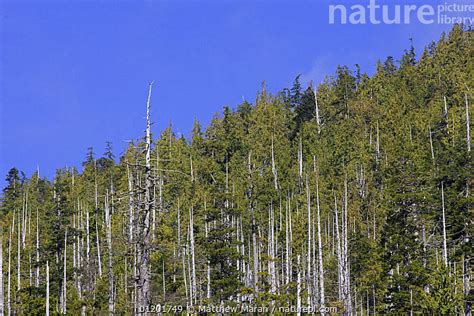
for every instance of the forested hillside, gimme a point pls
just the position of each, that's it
(354, 196)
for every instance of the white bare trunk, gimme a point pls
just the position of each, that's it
(131, 203)
(99, 260)
(298, 287)
(193, 260)
(318, 119)
(64, 291)
(274, 169)
(144, 286)
(37, 250)
(208, 264)
(445, 247)
(300, 159)
(9, 306)
(320, 250)
(431, 144)
(47, 288)
(310, 223)
(18, 256)
(468, 128)
(108, 221)
(2, 296)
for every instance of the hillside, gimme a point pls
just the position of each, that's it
(351, 198)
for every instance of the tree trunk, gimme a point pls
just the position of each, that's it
(37, 250)
(468, 128)
(193, 260)
(18, 256)
(108, 221)
(64, 291)
(431, 144)
(298, 287)
(47, 288)
(445, 247)
(318, 120)
(309, 265)
(2, 296)
(144, 287)
(9, 306)
(320, 250)
(99, 261)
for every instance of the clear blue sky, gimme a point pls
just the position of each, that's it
(74, 75)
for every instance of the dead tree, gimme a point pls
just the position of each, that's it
(320, 250)
(108, 222)
(47, 288)
(143, 241)
(2, 297)
(468, 128)
(316, 110)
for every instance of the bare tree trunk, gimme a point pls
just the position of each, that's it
(345, 256)
(431, 144)
(468, 128)
(300, 159)
(466, 278)
(445, 248)
(340, 277)
(193, 261)
(320, 250)
(99, 263)
(108, 221)
(144, 287)
(164, 280)
(131, 222)
(18, 257)
(298, 287)
(2, 296)
(377, 144)
(64, 291)
(254, 224)
(9, 306)
(37, 251)
(274, 169)
(47, 288)
(271, 244)
(309, 265)
(318, 119)
(287, 244)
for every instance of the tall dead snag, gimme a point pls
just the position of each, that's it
(431, 144)
(468, 128)
(193, 260)
(274, 169)
(309, 265)
(2, 299)
(345, 256)
(108, 222)
(37, 248)
(271, 251)
(143, 242)
(254, 224)
(320, 250)
(64, 289)
(298, 287)
(316, 108)
(9, 306)
(18, 256)
(445, 247)
(47, 289)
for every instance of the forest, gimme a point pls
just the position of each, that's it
(348, 197)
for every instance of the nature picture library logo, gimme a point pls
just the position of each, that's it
(375, 12)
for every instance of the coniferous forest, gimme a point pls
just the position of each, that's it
(349, 197)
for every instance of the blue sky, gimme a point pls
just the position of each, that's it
(75, 74)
